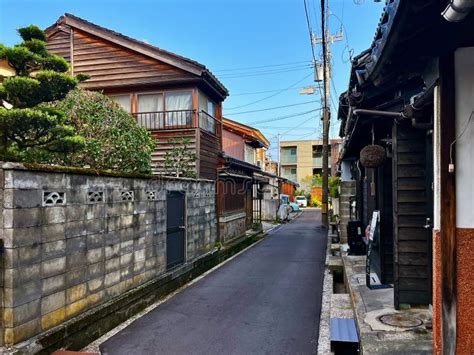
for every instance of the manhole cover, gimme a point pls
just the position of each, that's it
(400, 320)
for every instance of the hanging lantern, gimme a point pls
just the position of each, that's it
(372, 156)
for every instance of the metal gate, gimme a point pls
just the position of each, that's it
(175, 229)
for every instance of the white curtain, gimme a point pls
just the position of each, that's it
(149, 107)
(123, 101)
(178, 101)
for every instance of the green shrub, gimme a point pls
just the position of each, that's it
(113, 140)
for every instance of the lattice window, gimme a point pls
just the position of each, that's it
(95, 196)
(151, 195)
(53, 198)
(196, 195)
(127, 196)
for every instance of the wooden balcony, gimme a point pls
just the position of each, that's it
(177, 120)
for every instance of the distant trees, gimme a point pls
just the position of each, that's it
(28, 130)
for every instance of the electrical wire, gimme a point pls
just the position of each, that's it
(264, 72)
(310, 31)
(284, 117)
(273, 108)
(291, 129)
(266, 91)
(273, 95)
(459, 137)
(262, 66)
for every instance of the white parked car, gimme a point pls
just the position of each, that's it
(301, 201)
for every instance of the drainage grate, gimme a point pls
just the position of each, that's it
(400, 320)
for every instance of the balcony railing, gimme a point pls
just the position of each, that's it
(177, 119)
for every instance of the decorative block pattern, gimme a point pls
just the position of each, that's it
(127, 196)
(151, 195)
(53, 198)
(95, 196)
(63, 257)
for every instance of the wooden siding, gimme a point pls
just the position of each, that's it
(412, 276)
(110, 65)
(60, 44)
(208, 155)
(162, 146)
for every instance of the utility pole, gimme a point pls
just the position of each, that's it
(278, 156)
(325, 40)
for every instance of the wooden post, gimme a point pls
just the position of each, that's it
(195, 108)
(448, 203)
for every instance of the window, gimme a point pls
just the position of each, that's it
(123, 101)
(249, 152)
(207, 112)
(150, 103)
(288, 155)
(293, 171)
(317, 151)
(150, 107)
(211, 108)
(181, 103)
(317, 171)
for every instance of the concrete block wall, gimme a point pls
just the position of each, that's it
(348, 190)
(74, 241)
(232, 226)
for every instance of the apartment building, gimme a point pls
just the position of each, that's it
(302, 158)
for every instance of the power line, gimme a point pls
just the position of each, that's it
(266, 91)
(302, 123)
(284, 117)
(264, 72)
(272, 108)
(273, 95)
(308, 23)
(262, 66)
(311, 35)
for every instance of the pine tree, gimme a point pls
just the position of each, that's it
(28, 130)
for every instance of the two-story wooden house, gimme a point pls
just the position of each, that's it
(170, 95)
(239, 200)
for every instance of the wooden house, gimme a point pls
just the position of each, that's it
(411, 93)
(170, 95)
(239, 186)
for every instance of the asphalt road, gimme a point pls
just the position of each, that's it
(266, 300)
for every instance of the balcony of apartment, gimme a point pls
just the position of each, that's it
(317, 162)
(178, 120)
(288, 156)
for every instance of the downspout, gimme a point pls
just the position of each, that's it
(457, 10)
(395, 115)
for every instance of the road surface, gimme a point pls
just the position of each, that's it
(266, 300)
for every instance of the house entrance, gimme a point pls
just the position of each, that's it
(175, 229)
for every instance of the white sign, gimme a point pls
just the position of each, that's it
(373, 224)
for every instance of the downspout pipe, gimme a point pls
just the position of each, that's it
(457, 10)
(395, 115)
(364, 112)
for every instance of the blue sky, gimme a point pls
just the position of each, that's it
(250, 45)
